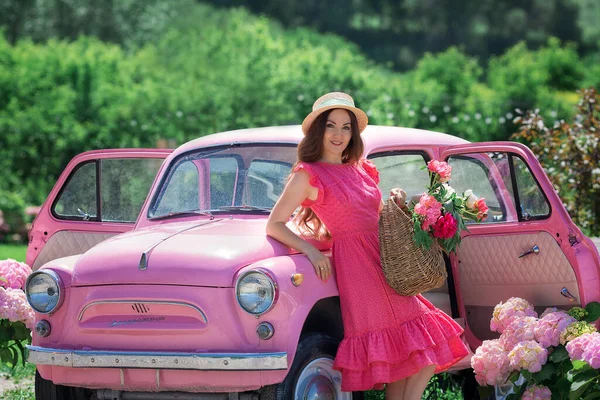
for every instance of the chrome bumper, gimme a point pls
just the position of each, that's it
(158, 360)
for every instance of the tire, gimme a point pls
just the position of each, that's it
(312, 372)
(47, 390)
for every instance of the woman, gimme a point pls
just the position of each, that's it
(388, 339)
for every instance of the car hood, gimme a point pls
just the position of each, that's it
(198, 253)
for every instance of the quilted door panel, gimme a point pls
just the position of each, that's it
(490, 272)
(69, 243)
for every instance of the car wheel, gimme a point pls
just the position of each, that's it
(311, 375)
(47, 390)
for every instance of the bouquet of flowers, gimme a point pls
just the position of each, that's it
(16, 315)
(440, 214)
(553, 356)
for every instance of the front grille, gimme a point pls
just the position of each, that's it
(140, 308)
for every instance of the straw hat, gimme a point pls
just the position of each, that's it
(333, 100)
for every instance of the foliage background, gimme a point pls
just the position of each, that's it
(77, 75)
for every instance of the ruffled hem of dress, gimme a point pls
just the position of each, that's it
(374, 358)
(314, 182)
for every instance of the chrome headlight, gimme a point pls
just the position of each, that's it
(256, 291)
(44, 291)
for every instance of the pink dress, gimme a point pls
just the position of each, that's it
(387, 337)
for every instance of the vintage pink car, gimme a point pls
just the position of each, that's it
(188, 297)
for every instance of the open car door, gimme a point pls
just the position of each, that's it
(527, 247)
(98, 195)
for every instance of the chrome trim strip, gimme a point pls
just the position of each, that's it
(158, 360)
(172, 303)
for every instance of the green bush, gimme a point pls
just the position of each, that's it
(215, 70)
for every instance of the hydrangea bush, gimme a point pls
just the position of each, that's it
(552, 356)
(16, 315)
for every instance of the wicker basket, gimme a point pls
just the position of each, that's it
(408, 268)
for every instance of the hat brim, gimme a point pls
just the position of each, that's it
(361, 117)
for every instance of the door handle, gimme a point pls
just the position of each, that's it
(535, 250)
(565, 292)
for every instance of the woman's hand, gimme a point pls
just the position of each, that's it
(399, 196)
(321, 264)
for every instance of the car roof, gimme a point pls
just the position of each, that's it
(374, 136)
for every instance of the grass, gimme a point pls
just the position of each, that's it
(14, 251)
(25, 393)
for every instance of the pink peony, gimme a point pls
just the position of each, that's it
(548, 328)
(430, 208)
(537, 392)
(491, 363)
(505, 313)
(529, 355)
(577, 346)
(14, 272)
(445, 227)
(441, 168)
(519, 330)
(14, 307)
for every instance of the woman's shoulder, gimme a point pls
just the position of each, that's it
(370, 168)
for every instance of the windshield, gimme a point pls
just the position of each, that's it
(247, 178)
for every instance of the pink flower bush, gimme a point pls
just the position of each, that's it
(14, 307)
(537, 392)
(529, 355)
(14, 274)
(491, 363)
(445, 227)
(441, 168)
(549, 327)
(430, 208)
(505, 313)
(548, 311)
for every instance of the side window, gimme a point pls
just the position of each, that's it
(494, 177)
(182, 190)
(265, 182)
(125, 185)
(78, 199)
(223, 177)
(533, 203)
(402, 170)
(121, 188)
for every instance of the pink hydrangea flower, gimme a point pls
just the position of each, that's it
(14, 272)
(430, 208)
(443, 169)
(591, 354)
(537, 392)
(548, 311)
(505, 313)
(577, 346)
(519, 330)
(491, 363)
(549, 327)
(529, 355)
(14, 307)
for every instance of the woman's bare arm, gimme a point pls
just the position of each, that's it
(296, 191)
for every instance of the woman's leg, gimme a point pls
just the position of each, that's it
(395, 390)
(415, 384)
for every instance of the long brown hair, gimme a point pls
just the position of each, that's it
(310, 149)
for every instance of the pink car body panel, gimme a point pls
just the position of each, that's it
(199, 268)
